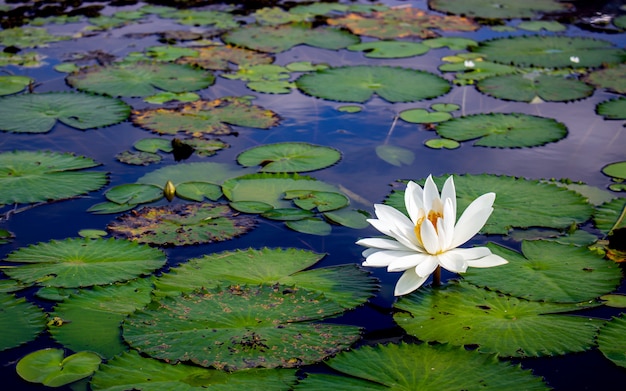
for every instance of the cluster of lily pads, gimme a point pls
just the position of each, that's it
(253, 317)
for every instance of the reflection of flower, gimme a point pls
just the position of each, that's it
(574, 59)
(469, 64)
(419, 245)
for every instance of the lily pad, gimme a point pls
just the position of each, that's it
(38, 113)
(394, 155)
(20, 320)
(500, 130)
(530, 86)
(359, 83)
(153, 145)
(616, 170)
(13, 84)
(390, 49)
(311, 226)
(453, 43)
(287, 214)
(27, 177)
(130, 371)
(263, 326)
(73, 263)
(402, 22)
(612, 109)
(419, 367)
(205, 18)
(206, 117)
(423, 116)
(520, 203)
(611, 340)
(289, 157)
(138, 158)
(276, 39)
(461, 314)
(323, 201)
(348, 285)
(442, 143)
(469, 71)
(503, 9)
(540, 274)
(550, 51)
(182, 224)
(140, 79)
(198, 191)
(538, 25)
(221, 57)
(208, 172)
(612, 78)
(134, 193)
(90, 319)
(610, 215)
(164, 97)
(52, 369)
(28, 37)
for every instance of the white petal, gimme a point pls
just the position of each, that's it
(395, 233)
(452, 262)
(471, 253)
(473, 219)
(430, 241)
(488, 261)
(369, 251)
(431, 193)
(383, 258)
(446, 232)
(385, 244)
(408, 282)
(427, 267)
(407, 262)
(413, 200)
(391, 215)
(449, 192)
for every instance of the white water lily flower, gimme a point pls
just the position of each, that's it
(469, 64)
(574, 59)
(429, 237)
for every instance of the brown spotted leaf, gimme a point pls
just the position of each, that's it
(219, 57)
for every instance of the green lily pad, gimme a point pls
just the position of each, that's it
(140, 79)
(221, 57)
(612, 78)
(153, 145)
(500, 130)
(615, 170)
(251, 327)
(359, 83)
(38, 113)
(289, 157)
(251, 206)
(519, 203)
(134, 193)
(287, 214)
(530, 86)
(138, 158)
(611, 340)
(389, 49)
(108, 207)
(27, 177)
(276, 39)
(130, 371)
(453, 43)
(204, 147)
(90, 319)
(92, 233)
(169, 53)
(614, 300)
(206, 117)
(13, 84)
(28, 37)
(52, 369)
(311, 226)
(394, 155)
(198, 191)
(442, 143)
(27, 59)
(610, 215)
(209, 172)
(423, 116)
(182, 224)
(469, 71)
(445, 107)
(419, 367)
(6, 236)
(503, 9)
(348, 285)
(540, 274)
(323, 201)
(164, 97)
(350, 109)
(612, 109)
(20, 320)
(550, 51)
(538, 25)
(73, 263)
(208, 18)
(461, 314)
(402, 22)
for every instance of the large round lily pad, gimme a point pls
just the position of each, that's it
(27, 177)
(182, 224)
(289, 157)
(240, 327)
(419, 367)
(531, 87)
(72, 263)
(502, 130)
(38, 113)
(540, 273)
(140, 79)
(519, 203)
(550, 51)
(505, 9)
(20, 321)
(462, 314)
(612, 108)
(612, 78)
(359, 83)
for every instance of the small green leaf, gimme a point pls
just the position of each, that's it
(397, 156)
(198, 191)
(48, 366)
(134, 193)
(390, 49)
(611, 340)
(442, 143)
(13, 84)
(421, 116)
(153, 145)
(615, 300)
(349, 218)
(612, 109)
(287, 214)
(289, 157)
(20, 320)
(324, 201)
(251, 206)
(138, 158)
(538, 25)
(615, 170)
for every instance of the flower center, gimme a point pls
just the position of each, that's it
(432, 216)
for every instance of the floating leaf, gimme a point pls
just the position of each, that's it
(13, 84)
(550, 51)
(92, 233)
(348, 218)
(153, 145)
(389, 49)
(612, 78)
(183, 224)
(134, 193)
(441, 143)
(289, 157)
(422, 116)
(359, 83)
(614, 300)
(506, 9)
(38, 113)
(20, 321)
(350, 109)
(394, 155)
(164, 97)
(198, 191)
(208, 172)
(540, 274)
(610, 215)
(205, 147)
(519, 202)
(251, 206)
(203, 117)
(138, 158)
(419, 367)
(27, 177)
(73, 263)
(48, 366)
(130, 371)
(287, 214)
(28, 37)
(311, 226)
(110, 207)
(461, 314)
(538, 25)
(530, 86)
(615, 170)
(90, 319)
(500, 130)
(140, 79)
(612, 109)
(6, 236)
(220, 57)
(323, 201)
(276, 39)
(348, 285)
(469, 72)
(251, 327)
(194, 17)
(402, 22)
(611, 340)
(445, 107)
(453, 43)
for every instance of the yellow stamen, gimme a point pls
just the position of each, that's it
(432, 217)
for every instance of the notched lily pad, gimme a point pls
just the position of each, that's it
(138, 158)
(390, 49)
(612, 78)
(530, 87)
(612, 109)
(289, 157)
(52, 369)
(13, 84)
(611, 340)
(506, 9)
(221, 57)
(179, 225)
(20, 320)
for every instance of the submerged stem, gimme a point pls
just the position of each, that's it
(437, 276)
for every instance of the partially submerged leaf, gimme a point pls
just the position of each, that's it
(13, 84)
(612, 78)
(138, 158)
(611, 340)
(20, 321)
(50, 367)
(394, 155)
(612, 109)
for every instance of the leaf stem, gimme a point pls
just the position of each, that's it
(437, 276)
